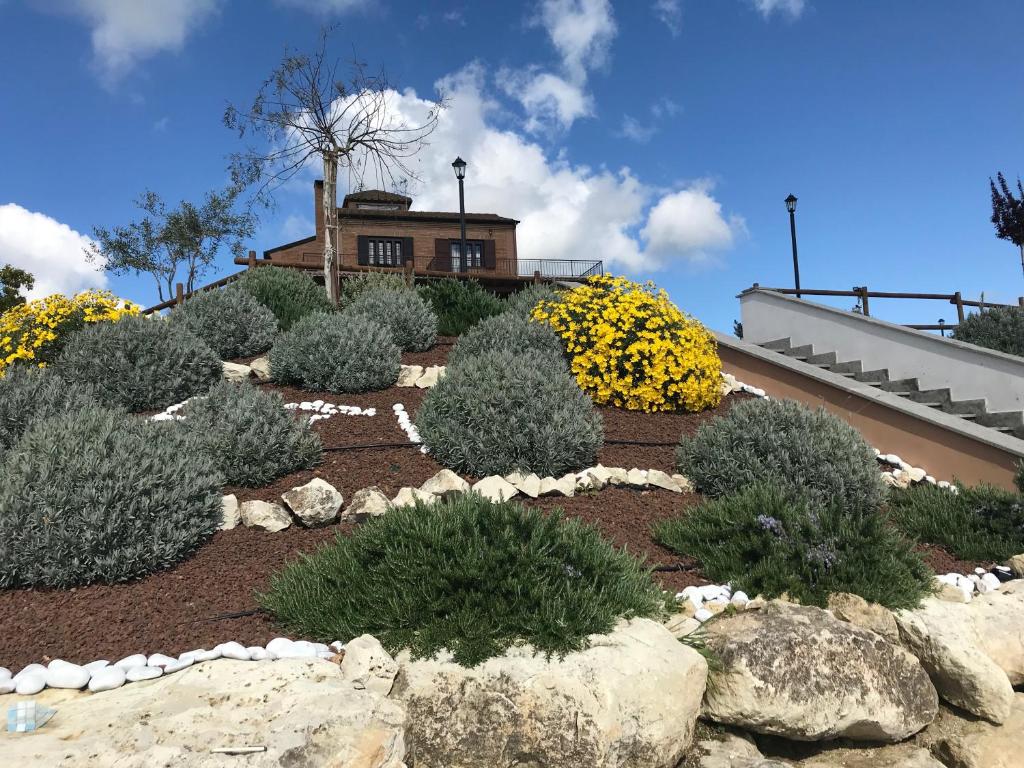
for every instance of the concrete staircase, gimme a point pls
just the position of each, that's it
(1007, 422)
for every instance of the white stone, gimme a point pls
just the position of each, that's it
(445, 483)
(408, 496)
(631, 699)
(368, 666)
(992, 581)
(93, 666)
(496, 488)
(302, 711)
(129, 662)
(408, 374)
(107, 679)
(199, 655)
(316, 503)
(892, 458)
(7, 685)
(30, 684)
(5, 673)
(265, 516)
(256, 653)
(684, 483)
(637, 478)
(236, 371)
(137, 674)
(230, 516)
(702, 614)
(233, 650)
(177, 666)
(28, 670)
(260, 368)
(61, 674)
(566, 485)
(529, 486)
(548, 486)
(916, 474)
(299, 649)
(366, 503)
(617, 476)
(660, 479)
(160, 660)
(739, 599)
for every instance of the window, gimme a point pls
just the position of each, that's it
(378, 206)
(474, 255)
(383, 251)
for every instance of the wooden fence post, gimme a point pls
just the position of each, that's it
(959, 301)
(1020, 301)
(252, 260)
(864, 300)
(410, 273)
(536, 276)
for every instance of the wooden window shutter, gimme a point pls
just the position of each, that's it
(490, 260)
(407, 250)
(443, 254)
(363, 249)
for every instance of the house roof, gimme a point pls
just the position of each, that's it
(376, 196)
(436, 216)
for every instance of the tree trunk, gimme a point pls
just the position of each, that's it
(330, 204)
(1022, 257)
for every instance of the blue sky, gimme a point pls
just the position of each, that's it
(659, 136)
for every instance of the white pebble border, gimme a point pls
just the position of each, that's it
(902, 474)
(322, 410)
(170, 412)
(406, 425)
(103, 676)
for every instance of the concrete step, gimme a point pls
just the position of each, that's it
(779, 345)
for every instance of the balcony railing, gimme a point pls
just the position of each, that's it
(564, 269)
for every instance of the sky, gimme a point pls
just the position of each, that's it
(660, 136)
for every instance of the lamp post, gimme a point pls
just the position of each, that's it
(460, 173)
(791, 207)
(942, 327)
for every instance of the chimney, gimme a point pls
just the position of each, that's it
(318, 207)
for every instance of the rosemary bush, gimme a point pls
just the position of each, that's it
(499, 412)
(289, 293)
(768, 539)
(459, 304)
(412, 324)
(998, 328)
(28, 395)
(525, 301)
(784, 441)
(336, 352)
(231, 322)
(99, 495)
(354, 286)
(467, 575)
(139, 363)
(248, 434)
(510, 331)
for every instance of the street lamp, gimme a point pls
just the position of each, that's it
(791, 207)
(942, 327)
(460, 173)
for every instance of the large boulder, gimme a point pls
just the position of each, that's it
(974, 652)
(968, 743)
(630, 700)
(302, 710)
(798, 672)
(856, 610)
(894, 756)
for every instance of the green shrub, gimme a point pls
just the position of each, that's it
(98, 495)
(511, 332)
(467, 575)
(412, 324)
(248, 434)
(1019, 479)
(354, 286)
(231, 322)
(782, 440)
(499, 412)
(523, 302)
(28, 395)
(998, 328)
(978, 523)
(139, 363)
(767, 539)
(289, 293)
(337, 353)
(459, 304)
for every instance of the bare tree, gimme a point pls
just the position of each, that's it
(305, 110)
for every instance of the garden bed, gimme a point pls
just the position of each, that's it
(185, 607)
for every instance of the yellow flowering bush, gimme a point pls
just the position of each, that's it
(631, 347)
(34, 332)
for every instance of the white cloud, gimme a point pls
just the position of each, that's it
(51, 251)
(325, 7)
(581, 31)
(791, 8)
(634, 130)
(669, 13)
(689, 224)
(127, 31)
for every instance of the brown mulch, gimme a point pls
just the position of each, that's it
(941, 561)
(437, 355)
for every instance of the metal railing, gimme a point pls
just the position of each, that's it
(863, 295)
(552, 269)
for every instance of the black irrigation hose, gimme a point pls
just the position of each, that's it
(649, 443)
(673, 568)
(235, 615)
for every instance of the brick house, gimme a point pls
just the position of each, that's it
(379, 229)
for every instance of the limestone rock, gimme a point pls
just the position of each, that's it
(430, 376)
(496, 488)
(408, 374)
(264, 515)
(800, 673)
(548, 486)
(303, 710)
(445, 483)
(231, 517)
(617, 476)
(529, 486)
(316, 503)
(893, 756)
(856, 610)
(366, 503)
(963, 743)
(682, 623)
(407, 496)
(998, 619)
(1016, 564)
(660, 479)
(730, 750)
(684, 483)
(367, 666)
(236, 371)
(566, 485)
(629, 701)
(637, 478)
(945, 638)
(261, 368)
